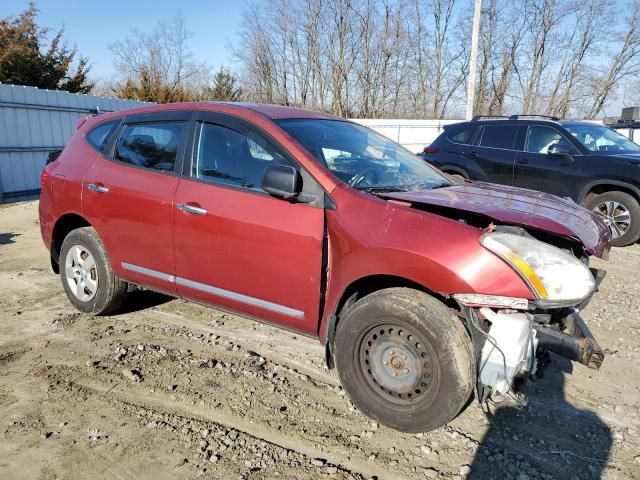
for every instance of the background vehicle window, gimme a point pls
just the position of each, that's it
(540, 138)
(499, 136)
(150, 145)
(226, 156)
(464, 136)
(99, 136)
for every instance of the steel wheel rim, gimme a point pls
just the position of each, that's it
(81, 273)
(396, 363)
(618, 216)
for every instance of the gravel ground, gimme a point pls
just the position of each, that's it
(169, 389)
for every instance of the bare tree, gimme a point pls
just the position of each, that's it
(626, 63)
(157, 66)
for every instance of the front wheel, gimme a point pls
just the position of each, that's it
(623, 213)
(86, 274)
(405, 359)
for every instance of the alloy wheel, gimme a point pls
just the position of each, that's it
(618, 216)
(81, 273)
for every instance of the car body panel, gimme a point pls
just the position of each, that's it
(519, 206)
(253, 245)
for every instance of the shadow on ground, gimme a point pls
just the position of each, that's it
(7, 238)
(141, 300)
(548, 436)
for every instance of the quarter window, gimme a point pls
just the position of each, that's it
(226, 156)
(150, 145)
(499, 136)
(540, 138)
(464, 136)
(99, 135)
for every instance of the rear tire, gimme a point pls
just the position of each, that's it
(405, 359)
(87, 276)
(623, 210)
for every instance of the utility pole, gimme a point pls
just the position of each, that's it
(471, 81)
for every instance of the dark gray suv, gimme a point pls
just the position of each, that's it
(592, 164)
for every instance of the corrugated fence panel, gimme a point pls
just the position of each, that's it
(34, 122)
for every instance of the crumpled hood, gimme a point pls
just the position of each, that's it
(519, 206)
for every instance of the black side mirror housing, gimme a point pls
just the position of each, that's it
(282, 181)
(560, 148)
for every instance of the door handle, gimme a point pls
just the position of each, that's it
(523, 161)
(185, 207)
(94, 187)
(471, 154)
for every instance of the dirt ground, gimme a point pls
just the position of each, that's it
(169, 389)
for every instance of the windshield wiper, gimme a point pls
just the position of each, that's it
(383, 189)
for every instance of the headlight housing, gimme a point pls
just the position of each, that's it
(555, 277)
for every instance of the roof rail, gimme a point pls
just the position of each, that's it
(480, 117)
(516, 117)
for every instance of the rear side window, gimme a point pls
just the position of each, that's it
(100, 134)
(150, 145)
(464, 136)
(499, 136)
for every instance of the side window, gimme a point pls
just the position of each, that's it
(100, 134)
(540, 138)
(464, 136)
(226, 156)
(499, 136)
(150, 145)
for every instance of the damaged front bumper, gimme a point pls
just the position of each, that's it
(507, 343)
(576, 342)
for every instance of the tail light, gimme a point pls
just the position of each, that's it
(45, 179)
(430, 149)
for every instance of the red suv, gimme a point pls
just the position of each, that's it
(424, 290)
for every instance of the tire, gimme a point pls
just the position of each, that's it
(457, 177)
(87, 276)
(385, 329)
(618, 206)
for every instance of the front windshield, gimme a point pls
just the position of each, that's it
(602, 139)
(361, 157)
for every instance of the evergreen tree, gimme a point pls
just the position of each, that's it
(24, 60)
(224, 88)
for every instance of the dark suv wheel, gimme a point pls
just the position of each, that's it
(86, 274)
(623, 212)
(405, 359)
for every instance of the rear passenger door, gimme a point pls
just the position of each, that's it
(128, 196)
(537, 170)
(494, 153)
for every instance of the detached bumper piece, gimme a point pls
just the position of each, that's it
(575, 343)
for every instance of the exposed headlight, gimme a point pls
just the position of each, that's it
(556, 277)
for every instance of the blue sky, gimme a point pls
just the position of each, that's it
(93, 25)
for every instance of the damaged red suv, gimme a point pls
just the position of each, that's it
(425, 291)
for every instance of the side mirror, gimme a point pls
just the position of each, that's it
(560, 148)
(282, 181)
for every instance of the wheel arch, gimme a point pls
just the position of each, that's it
(360, 288)
(599, 187)
(63, 226)
(454, 169)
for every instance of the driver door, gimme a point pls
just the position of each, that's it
(538, 170)
(235, 245)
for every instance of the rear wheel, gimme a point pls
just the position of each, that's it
(623, 213)
(86, 274)
(405, 359)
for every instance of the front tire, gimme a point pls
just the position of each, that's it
(622, 211)
(405, 359)
(87, 276)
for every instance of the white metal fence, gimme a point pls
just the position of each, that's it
(34, 122)
(414, 135)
